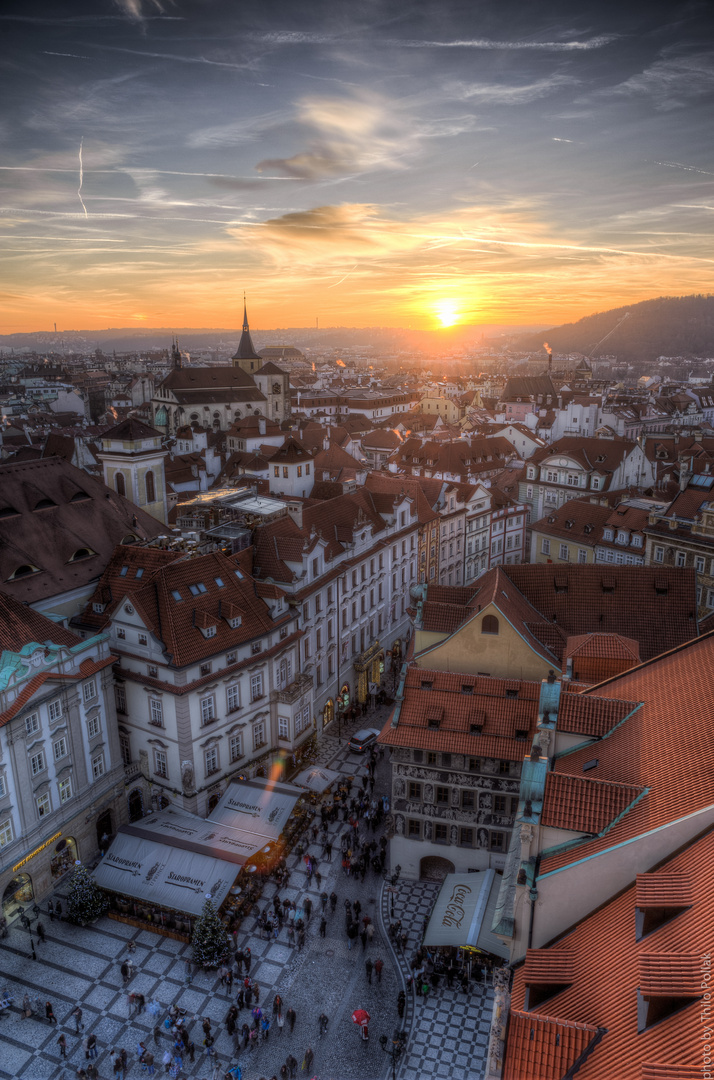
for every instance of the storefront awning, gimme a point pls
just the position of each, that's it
(163, 875)
(463, 913)
(192, 833)
(315, 779)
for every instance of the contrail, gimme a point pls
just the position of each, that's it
(81, 178)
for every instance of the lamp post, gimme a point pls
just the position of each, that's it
(395, 1050)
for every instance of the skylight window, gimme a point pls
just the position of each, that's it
(239, 575)
(140, 572)
(197, 589)
(124, 571)
(220, 583)
(176, 594)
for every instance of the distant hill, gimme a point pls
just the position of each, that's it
(380, 339)
(667, 326)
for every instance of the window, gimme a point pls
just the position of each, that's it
(143, 640)
(32, 723)
(89, 690)
(489, 624)
(150, 487)
(3, 786)
(210, 759)
(120, 698)
(233, 698)
(504, 768)
(276, 470)
(43, 805)
(466, 837)
(125, 747)
(545, 547)
(414, 828)
(206, 668)
(442, 796)
(283, 725)
(97, 766)
(302, 720)
(160, 765)
(468, 800)
(595, 483)
(208, 709)
(681, 559)
(258, 735)
(59, 748)
(256, 647)
(120, 483)
(299, 470)
(441, 833)
(156, 712)
(318, 675)
(231, 657)
(65, 789)
(37, 762)
(5, 833)
(121, 633)
(236, 747)
(55, 710)
(582, 555)
(659, 554)
(152, 671)
(256, 686)
(497, 841)
(285, 472)
(563, 551)
(414, 790)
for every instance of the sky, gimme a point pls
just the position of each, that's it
(361, 163)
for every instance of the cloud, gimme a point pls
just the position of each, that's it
(488, 44)
(672, 82)
(498, 94)
(139, 10)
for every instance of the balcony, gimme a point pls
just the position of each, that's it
(300, 685)
(132, 771)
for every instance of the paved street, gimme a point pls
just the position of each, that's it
(447, 1034)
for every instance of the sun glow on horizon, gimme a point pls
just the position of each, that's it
(447, 312)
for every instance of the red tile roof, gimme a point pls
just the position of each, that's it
(666, 745)
(543, 1048)
(609, 965)
(591, 716)
(582, 804)
(20, 625)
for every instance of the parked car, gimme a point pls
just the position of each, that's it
(362, 740)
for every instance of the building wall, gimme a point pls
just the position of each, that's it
(503, 655)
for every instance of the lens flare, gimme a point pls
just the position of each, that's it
(447, 312)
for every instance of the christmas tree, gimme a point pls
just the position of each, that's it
(86, 901)
(209, 941)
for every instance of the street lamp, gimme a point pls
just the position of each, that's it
(397, 1048)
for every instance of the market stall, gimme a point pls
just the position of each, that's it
(463, 914)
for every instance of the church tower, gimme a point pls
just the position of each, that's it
(132, 458)
(246, 357)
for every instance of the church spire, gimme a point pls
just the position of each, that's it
(246, 350)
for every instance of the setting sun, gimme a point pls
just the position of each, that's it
(447, 312)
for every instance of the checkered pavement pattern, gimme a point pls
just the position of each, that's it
(81, 965)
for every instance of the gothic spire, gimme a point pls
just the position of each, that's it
(246, 350)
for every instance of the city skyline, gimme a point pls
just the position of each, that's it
(361, 165)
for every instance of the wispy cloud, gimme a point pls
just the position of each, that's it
(500, 46)
(673, 81)
(73, 56)
(181, 58)
(500, 94)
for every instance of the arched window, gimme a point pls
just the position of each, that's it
(120, 484)
(150, 487)
(489, 624)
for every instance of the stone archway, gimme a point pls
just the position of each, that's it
(434, 868)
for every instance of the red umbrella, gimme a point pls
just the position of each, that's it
(361, 1017)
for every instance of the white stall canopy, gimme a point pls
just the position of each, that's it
(316, 779)
(163, 875)
(464, 911)
(258, 807)
(192, 833)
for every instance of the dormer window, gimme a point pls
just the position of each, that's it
(82, 553)
(426, 684)
(209, 631)
(608, 534)
(23, 571)
(98, 608)
(235, 622)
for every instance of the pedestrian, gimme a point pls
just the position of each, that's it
(40, 931)
(352, 929)
(356, 907)
(368, 968)
(91, 1051)
(363, 938)
(281, 1023)
(49, 1014)
(308, 1060)
(292, 1065)
(277, 1005)
(77, 1014)
(370, 932)
(378, 965)
(307, 907)
(247, 959)
(239, 999)
(149, 1062)
(256, 992)
(208, 1043)
(93, 1071)
(291, 1018)
(58, 910)
(284, 1071)
(401, 1003)
(333, 901)
(265, 1027)
(51, 910)
(245, 1035)
(62, 1043)
(322, 1022)
(166, 1060)
(323, 926)
(140, 1003)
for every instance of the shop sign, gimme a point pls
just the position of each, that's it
(37, 851)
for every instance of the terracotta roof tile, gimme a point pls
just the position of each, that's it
(543, 1048)
(670, 974)
(21, 625)
(581, 804)
(591, 716)
(548, 966)
(664, 890)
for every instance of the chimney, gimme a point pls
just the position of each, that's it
(295, 512)
(535, 752)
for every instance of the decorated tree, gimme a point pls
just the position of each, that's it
(86, 901)
(209, 941)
